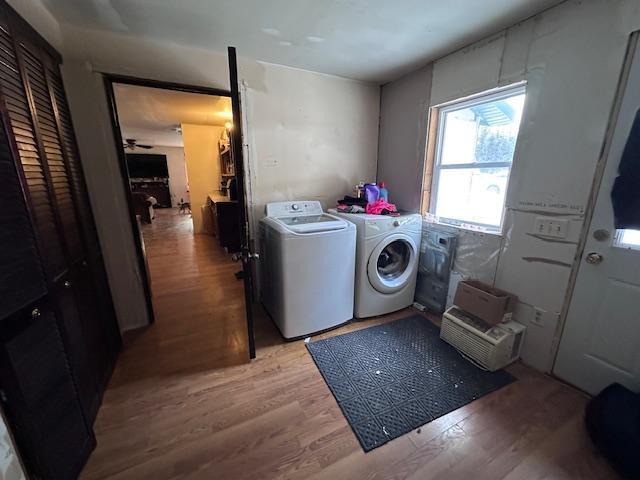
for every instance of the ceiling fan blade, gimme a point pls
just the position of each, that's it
(144, 146)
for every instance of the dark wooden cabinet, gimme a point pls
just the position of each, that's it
(158, 189)
(58, 333)
(225, 222)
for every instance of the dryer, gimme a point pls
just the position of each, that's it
(307, 268)
(387, 255)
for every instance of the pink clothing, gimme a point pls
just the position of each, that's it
(378, 207)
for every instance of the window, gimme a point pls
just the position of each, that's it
(627, 238)
(474, 145)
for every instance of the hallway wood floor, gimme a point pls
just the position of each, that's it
(197, 302)
(172, 412)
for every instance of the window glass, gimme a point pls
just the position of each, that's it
(473, 133)
(628, 238)
(472, 195)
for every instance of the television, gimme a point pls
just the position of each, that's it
(147, 165)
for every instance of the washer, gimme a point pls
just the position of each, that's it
(307, 268)
(387, 254)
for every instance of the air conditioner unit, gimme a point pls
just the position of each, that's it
(492, 347)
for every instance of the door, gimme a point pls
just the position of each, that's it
(40, 396)
(600, 341)
(243, 217)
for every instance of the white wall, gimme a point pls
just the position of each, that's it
(203, 166)
(403, 136)
(571, 57)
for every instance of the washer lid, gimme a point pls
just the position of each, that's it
(392, 263)
(312, 223)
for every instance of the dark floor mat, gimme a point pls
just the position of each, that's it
(392, 378)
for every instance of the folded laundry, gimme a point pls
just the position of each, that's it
(350, 209)
(381, 207)
(349, 200)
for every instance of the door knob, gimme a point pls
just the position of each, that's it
(594, 258)
(35, 313)
(67, 284)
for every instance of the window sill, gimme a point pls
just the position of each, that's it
(467, 228)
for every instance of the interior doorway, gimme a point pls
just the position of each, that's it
(176, 157)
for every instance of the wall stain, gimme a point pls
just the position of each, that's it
(551, 240)
(549, 261)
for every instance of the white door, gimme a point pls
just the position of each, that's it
(601, 339)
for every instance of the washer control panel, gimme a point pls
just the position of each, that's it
(288, 209)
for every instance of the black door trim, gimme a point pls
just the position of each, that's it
(237, 153)
(109, 80)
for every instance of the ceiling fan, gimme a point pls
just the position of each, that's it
(131, 144)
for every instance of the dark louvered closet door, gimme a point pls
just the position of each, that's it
(80, 347)
(54, 363)
(47, 131)
(19, 112)
(21, 276)
(52, 183)
(74, 169)
(40, 397)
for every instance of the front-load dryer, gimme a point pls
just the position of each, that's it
(307, 266)
(387, 254)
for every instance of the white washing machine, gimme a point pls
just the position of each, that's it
(387, 254)
(307, 266)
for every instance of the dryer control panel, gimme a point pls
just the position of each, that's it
(293, 208)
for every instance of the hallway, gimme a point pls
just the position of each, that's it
(198, 305)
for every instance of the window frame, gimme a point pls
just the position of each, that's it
(437, 115)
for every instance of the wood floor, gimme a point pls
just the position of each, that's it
(170, 412)
(198, 305)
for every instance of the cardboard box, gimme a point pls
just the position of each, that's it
(487, 303)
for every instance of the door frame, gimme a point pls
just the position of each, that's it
(109, 80)
(241, 170)
(633, 43)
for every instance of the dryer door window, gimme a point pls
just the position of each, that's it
(394, 260)
(392, 263)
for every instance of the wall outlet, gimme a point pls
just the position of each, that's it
(271, 161)
(538, 317)
(551, 227)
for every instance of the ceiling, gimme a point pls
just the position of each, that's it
(371, 40)
(151, 115)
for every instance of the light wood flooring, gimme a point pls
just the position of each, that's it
(198, 304)
(172, 411)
